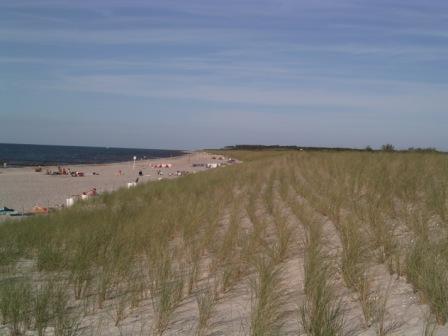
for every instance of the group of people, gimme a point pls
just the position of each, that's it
(64, 171)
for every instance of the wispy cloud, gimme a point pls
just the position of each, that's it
(405, 99)
(125, 36)
(294, 60)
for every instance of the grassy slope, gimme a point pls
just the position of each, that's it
(152, 242)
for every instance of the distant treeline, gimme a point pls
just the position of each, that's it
(384, 148)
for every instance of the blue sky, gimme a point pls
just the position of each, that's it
(208, 73)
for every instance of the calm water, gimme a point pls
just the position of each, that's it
(34, 155)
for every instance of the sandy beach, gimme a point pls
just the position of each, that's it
(22, 188)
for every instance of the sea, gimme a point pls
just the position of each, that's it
(19, 155)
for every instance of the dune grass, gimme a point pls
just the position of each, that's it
(267, 297)
(321, 313)
(158, 242)
(206, 301)
(427, 270)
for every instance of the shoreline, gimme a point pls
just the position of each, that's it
(100, 164)
(22, 187)
(32, 155)
(55, 164)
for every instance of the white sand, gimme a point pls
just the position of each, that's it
(23, 188)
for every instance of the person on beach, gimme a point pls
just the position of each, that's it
(92, 192)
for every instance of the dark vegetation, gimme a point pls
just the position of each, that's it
(384, 148)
